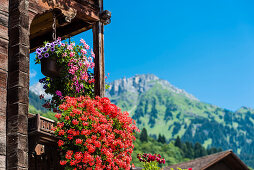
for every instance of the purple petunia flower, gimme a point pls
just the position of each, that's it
(58, 42)
(52, 45)
(42, 80)
(52, 49)
(44, 49)
(48, 45)
(46, 55)
(45, 86)
(38, 51)
(39, 56)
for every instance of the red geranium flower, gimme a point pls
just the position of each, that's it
(96, 134)
(79, 141)
(60, 143)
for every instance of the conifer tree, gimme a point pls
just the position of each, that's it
(159, 138)
(178, 142)
(143, 135)
(190, 150)
(163, 139)
(199, 150)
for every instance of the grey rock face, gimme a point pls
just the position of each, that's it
(141, 83)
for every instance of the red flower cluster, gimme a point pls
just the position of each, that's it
(95, 134)
(150, 158)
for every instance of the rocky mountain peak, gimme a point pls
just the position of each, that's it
(141, 83)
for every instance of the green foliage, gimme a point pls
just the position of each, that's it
(33, 110)
(48, 114)
(170, 152)
(151, 166)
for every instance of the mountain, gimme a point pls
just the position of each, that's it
(36, 102)
(164, 109)
(126, 92)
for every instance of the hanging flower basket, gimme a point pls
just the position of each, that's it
(50, 68)
(68, 69)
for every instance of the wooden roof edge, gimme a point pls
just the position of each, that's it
(227, 152)
(220, 156)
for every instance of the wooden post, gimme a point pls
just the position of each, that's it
(18, 85)
(98, 45)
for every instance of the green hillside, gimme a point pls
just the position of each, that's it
(171, 112)
(35, 106)
(36, 102)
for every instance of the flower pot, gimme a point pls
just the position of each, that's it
(50, 68)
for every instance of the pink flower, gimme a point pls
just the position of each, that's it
(72, 54)
(92, 65)
(69, 47)
(72, 71)
(92, 53)
(82, 41)
(87, 64)
(83, 51)
(86, 46)
(64, 54)
(59, 93)
(84, 77)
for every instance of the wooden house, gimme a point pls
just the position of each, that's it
(25, 25)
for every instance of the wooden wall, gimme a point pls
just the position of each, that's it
(4, 13)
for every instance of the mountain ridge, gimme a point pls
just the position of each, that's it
(141, 83)
(164, 109)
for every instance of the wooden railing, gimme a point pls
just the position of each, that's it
(37, 123)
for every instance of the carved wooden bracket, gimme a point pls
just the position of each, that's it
(63, 5)
(105, 17)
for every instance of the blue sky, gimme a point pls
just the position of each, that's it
(204, 47)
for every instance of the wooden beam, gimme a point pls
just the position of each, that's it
(99, 71)
(98, 45)
(74, 28)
